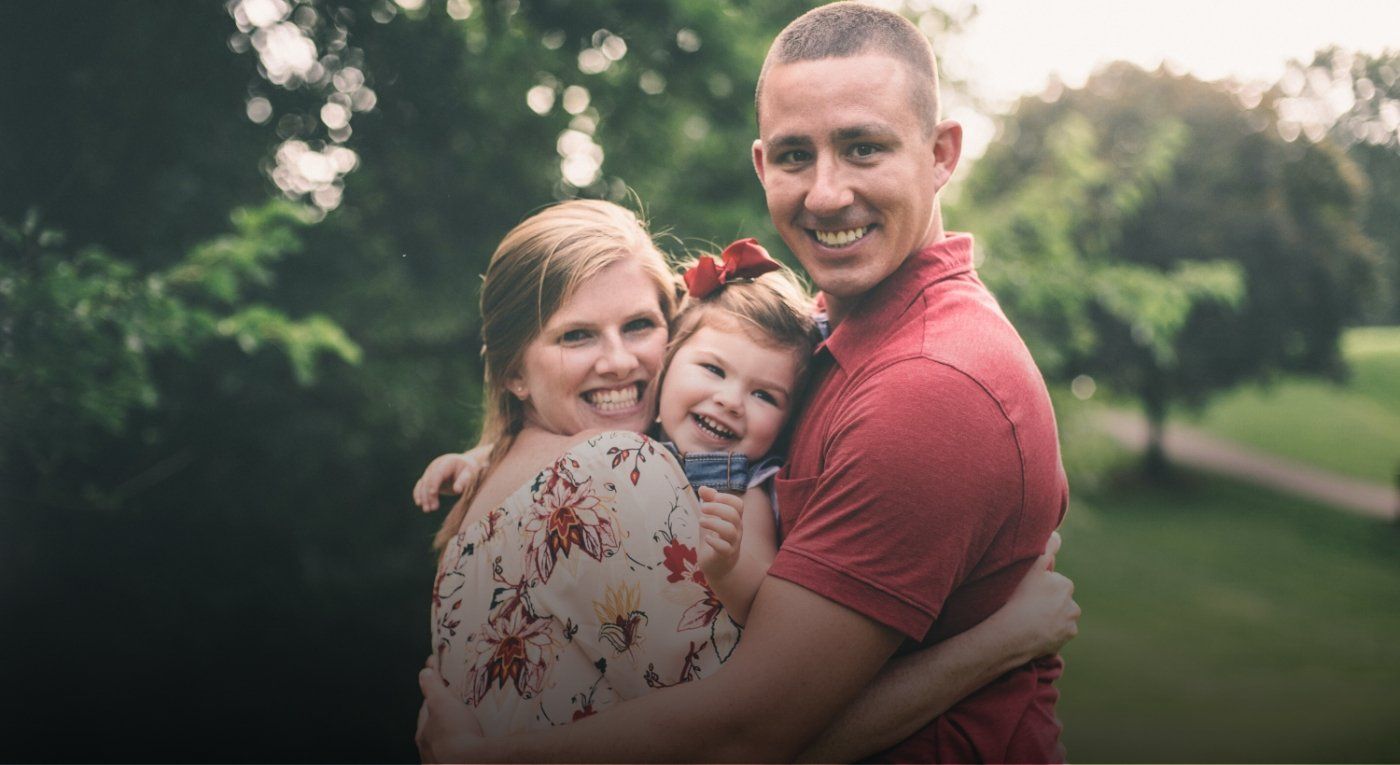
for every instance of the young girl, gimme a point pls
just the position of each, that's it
(732, 378)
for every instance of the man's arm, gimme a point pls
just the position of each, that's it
(914, 689)
(801, 661)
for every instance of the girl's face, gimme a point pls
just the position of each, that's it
(595, 363)
(726, 392)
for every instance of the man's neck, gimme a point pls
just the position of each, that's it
(838, 309)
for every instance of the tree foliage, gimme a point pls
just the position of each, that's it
(1150, 232)
(77, 329)
(1354, 100)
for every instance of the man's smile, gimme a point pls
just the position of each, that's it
(840, 238)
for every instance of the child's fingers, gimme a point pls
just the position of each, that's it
(710, 494)
(717, 527)
(720, 548)
(719, 510)
(464, 477)
(420, 494)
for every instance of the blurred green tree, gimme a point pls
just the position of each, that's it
(1354, 99)
(193, 506)
(1150, 232)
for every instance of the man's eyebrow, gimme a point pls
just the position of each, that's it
(865, 130)
(788, 141)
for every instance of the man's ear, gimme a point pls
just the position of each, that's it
(758, 158)
(947, 150)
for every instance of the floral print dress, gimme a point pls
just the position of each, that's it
(581, 590)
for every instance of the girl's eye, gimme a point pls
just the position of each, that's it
(639, 325)
(574, 336)
(764, 395)
(712, 369)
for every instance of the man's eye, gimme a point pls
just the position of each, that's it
(639, 325)
(865, 150)
(713, 369)
(574, 336)
(796, 156)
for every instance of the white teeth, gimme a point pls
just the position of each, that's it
(840, 238)
(714, 428)
(612, 400)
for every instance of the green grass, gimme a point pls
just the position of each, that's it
(1225, 623)
(1351, 428)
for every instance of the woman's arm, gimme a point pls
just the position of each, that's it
(911, 691)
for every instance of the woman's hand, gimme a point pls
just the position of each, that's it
(721, 532)
(1041, 613)
(447, 729)
(456, 471)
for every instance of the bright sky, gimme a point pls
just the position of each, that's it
(1013, 46)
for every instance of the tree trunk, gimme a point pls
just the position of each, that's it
(1154, 460)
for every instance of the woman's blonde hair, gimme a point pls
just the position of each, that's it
(535, 269)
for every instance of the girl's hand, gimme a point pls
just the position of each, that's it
(1042, 612)
(721, 532)
(450, 474)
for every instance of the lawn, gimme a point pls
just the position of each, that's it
(1352, 428)
(1225, 623)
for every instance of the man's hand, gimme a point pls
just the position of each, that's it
(721, 532)
(447, 729)
(450, 474)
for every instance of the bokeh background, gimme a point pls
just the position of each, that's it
(239, 251)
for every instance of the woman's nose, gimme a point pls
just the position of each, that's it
(616, 359)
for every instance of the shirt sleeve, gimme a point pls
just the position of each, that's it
(921, 471)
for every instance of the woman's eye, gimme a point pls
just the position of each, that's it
(574, 336)
(639, 325)
(714, 370)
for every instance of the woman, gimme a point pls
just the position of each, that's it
(568, 578)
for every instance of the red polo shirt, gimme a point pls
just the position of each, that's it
(923, 479)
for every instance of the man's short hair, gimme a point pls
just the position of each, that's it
(845, 29)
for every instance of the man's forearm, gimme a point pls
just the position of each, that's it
(914, 689)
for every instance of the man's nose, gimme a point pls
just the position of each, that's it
(830, 192)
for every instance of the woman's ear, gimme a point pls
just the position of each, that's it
(517, 387)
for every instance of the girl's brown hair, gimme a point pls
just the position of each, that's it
(774, 309)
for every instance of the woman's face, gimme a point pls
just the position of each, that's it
(595, 363)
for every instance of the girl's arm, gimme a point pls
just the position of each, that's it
(911, 691)
(738, 546)
(456, 470)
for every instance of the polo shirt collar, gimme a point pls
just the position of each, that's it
(860, 333)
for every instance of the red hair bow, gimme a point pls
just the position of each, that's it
(745, 259)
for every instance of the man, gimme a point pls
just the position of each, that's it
(924, 476)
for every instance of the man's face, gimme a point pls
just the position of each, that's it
(849, 174)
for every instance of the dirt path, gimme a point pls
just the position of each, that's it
(1190, 446)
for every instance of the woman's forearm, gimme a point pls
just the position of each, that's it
(914, 689)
